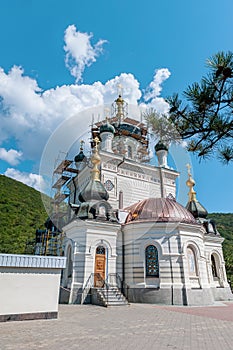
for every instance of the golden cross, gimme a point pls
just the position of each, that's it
(97, 141)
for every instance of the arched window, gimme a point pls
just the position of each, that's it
(100, 250)
(192, 262)
(152, 261)
(213, 266)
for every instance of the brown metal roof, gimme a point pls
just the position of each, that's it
(159, 210)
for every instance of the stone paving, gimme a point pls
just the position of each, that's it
(138, 326)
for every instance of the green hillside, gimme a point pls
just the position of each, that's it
(21, 212)
(225, 227)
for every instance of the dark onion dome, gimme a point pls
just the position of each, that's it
(160, 146)
(132, 129)
(107, 127)
(80, 157)
(158, 210)
(94, 190)
(128, 130)
(197, 209)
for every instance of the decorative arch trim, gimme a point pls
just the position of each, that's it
(68, 246)
(148, 242)
(151, 261)
(216, 253)
(100, 242)
(193, 245)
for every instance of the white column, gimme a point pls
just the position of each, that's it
(106, 144)
(162, 158)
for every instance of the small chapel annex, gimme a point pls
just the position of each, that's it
(127, 231)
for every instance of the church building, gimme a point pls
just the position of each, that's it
(127, 235)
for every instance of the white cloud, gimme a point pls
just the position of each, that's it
(12, 156)
(79, 51)
(32, 180)
(20, 93)
(152, 94)
(30, 115)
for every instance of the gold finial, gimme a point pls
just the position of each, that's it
(120, 103)
(95, 159)
(191, 183)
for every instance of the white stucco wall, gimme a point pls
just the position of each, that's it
(29, 284)
(86, 235)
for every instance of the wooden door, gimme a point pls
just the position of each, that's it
(100, 262)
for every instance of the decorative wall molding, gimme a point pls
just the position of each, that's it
(34, 261)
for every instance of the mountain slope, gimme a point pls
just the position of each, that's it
(21, 213)
(225, 227)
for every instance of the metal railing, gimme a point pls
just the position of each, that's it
(112, 281)
(92, 279)
(125, 289)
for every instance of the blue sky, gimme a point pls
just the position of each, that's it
(137, 39)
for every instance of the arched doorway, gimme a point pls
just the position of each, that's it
(100, 266)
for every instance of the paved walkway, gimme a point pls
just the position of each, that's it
(138, 326)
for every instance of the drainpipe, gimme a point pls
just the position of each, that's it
(123, 260)
(121, 200)
(161, 182)
(171, 269)
(75, 190)
(123, 159)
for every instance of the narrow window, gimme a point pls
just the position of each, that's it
(130, 152)
(152, 261)
(191, 262)
(213, 266)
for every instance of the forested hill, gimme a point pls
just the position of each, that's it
(21, 213)
(225, 227)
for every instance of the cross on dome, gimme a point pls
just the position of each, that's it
(96, 140)
(120, 89)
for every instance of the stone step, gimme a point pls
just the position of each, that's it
(111, 294)
(111, 297)
(109, 300)
(117, 304)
